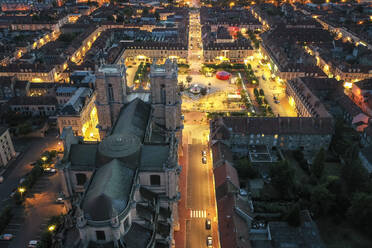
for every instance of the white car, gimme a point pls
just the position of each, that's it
(50, 170)
(204, 160)
(33, 243)
(209, 241)
(242, 192)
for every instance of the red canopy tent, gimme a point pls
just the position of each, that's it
(223, 75)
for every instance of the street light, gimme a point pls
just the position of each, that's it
(51, 228)
(21, 190)
(44, 158)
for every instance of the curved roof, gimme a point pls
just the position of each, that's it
(119, 146)
(133, 119)
(109, 192)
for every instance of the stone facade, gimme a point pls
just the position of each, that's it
(166, 99)
(285, 133)
(111, 92)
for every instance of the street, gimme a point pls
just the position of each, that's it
(199, 191)
(272, 87)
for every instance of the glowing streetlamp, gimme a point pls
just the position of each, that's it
(21, 190)
(51, 228)
(44, 158)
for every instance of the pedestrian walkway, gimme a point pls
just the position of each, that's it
(198, 213)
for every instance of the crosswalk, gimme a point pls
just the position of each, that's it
(198, 214)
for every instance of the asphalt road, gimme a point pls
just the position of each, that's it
(199, 200)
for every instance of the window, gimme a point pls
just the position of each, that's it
(100, 235)
(155, 180)
(81, 179)
(162, 94)
(110, 93)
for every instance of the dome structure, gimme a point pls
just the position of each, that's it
(119, 145)
(223, 75)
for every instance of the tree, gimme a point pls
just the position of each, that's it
(322, 200)
(294, 218)
(318, 165)
(255, 91)
(157, 16)
(189, 79)
(262, 92)
(355, 176)
(245, 169)
(120, 19)
(360, 212)
(282, 177)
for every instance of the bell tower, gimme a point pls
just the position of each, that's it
(111, 93)
(165, 96)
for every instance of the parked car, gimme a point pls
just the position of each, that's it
(276, 101)
(209, 241)
(204, 160)
(242, 192)
(50, 170)
(6, 236)
(208, 224)
(33, 243)
(204, 153)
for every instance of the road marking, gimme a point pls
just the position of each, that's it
(198, 213)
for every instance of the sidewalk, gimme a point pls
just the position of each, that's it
(180, 236)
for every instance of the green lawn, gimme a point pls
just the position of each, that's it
(342, 235)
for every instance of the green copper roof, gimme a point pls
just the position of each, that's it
(109, 191)
(83, 154)
(133, 119)
(153, 157)
(119, 146)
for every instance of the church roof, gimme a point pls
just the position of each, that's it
(109, 191)
(83, 155)
(153, 157)
(133, 119)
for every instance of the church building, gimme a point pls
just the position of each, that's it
(124, 189)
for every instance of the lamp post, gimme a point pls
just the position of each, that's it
(21, 190)
(51, 228)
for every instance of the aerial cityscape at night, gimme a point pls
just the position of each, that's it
(185, 124)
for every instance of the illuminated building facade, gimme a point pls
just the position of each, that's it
(80, 113)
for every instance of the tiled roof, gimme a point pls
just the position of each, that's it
(279, 125)
(225, 173)
(109, 191)
(37, 100)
